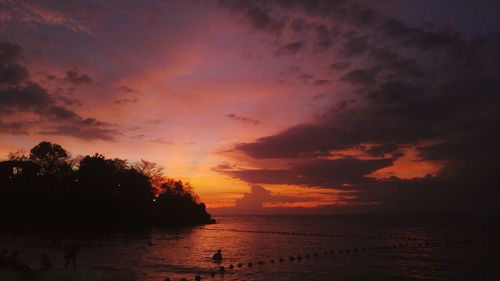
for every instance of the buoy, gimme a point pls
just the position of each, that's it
(272, 261)
(250, 264)
(222, 269)
(197, 278)
(261, 262)
(231, 266)
(240, 264)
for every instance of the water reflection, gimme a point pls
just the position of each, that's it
(373, 250)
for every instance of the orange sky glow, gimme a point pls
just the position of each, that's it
(285, 108)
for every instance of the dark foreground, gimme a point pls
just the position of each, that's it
(356, 248)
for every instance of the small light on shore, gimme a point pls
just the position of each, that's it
(154, 199)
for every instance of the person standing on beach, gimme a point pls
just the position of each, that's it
(71, 252)
(3, 257)
(45, 263)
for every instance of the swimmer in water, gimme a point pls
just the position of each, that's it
(217, 256)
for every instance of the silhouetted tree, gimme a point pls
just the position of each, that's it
(51, 188)
(50, 158)
(152, 171)
(177, 187)
(18, 155)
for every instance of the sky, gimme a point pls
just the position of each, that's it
(268, 107)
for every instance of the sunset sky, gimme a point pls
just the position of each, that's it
(268, 107)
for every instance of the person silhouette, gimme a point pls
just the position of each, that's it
(3, 257)
(217, 256)
(16, 265)
(45, 263)
(71, 252)
(12, 261)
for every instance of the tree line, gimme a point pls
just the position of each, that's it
(47, 187)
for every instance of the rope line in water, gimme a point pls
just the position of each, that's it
(329, 235)
(316, 255)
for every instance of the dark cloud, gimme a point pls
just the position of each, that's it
(11, 72)
(291, 48)
(419, 37)
(126, 100)
(359, 76)
(297, 25)
(68, 123)
(60, 113)
(14, 128)
(391, 62)
(427, 88)
(355, 45)
(10, 52)
(305, 76)
(340, 10)
(126, 89)
(69, 101)
(257, 13)
(325, 36)
(339, 65)
(235, 117)
(383, 150)
(19, 94)
(321, 82)
(315, 173)
(82, 130)
(28, 96)
(77, 78)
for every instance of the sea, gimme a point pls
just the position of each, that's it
(275, 248)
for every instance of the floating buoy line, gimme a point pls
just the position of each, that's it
(315, 256)
(328, 235)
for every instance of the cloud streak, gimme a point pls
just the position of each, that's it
(24, 13)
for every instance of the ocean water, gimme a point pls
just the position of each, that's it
(357, 248)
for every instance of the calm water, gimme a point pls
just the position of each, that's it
(186, 252)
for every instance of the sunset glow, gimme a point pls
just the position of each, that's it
(309, 108)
